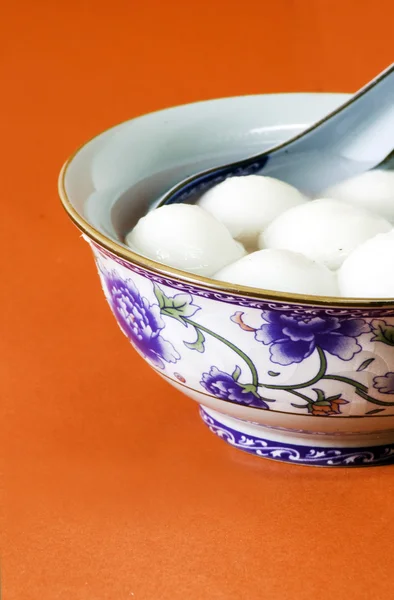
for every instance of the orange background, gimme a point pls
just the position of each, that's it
(111, 487)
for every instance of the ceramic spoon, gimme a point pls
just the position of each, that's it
(356, 137)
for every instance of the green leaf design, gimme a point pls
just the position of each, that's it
(183, 304)
(375, 411)
(177, 307)
(300, 405)
(160, 296)
(173, 313)
(332, 398)
(320, 395)
(273, 373)
(198, 344)
(236, 373)
(365, 364)
(382, 332)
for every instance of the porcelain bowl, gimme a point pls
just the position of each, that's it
(302, 379)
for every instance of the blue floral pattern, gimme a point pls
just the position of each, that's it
(289, 334)
(226, 387)
(140, 321)
(385, 383)
(293, 338)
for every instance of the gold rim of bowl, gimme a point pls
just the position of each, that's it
(198, 280)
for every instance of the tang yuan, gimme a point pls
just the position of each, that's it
(373, 190)
(368, 271)
(246, 205)
(283, 271)
(325, 230)
(185, 237)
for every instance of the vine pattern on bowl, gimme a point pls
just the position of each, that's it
(293, 335)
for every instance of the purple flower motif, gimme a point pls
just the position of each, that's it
(385, 383)
(140, 321)
(292, 338)
(224, 386)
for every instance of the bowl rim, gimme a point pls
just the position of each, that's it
(129, 256)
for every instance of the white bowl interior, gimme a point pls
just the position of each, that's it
(113, 179)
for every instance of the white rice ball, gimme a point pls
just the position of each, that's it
(185, 237)
(368, 271)
(373, 190)
(325, 230)
(283, 271)
(246, 205)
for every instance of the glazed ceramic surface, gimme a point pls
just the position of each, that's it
(281, 377)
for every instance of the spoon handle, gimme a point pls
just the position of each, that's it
(361, 130)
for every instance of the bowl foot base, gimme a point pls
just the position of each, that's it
(286, 447)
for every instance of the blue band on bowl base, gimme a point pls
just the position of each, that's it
(319, 456)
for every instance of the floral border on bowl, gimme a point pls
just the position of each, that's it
(293, 334)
